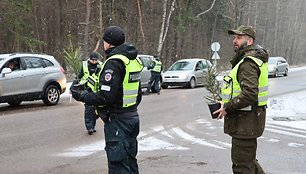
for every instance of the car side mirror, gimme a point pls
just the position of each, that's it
(5, 71)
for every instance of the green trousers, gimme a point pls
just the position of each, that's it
(244, 157)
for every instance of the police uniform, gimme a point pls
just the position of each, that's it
(245, 95)
(155, 76)
(119, 95)
(87, 76)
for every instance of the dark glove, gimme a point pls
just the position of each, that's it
(79, 94)
(77, 91)
(77, 86)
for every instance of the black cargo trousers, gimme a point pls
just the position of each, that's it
(90, 117)
(121, 148)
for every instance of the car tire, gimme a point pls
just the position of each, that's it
(286, 72)
(192, 83)
(164, 86)
(276, 73)
(51, 95)
(14, 103)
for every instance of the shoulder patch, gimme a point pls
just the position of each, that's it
(108, 77)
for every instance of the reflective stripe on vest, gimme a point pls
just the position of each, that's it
(84, 79)
(231, 87)
(93, 80)
(157, 67)
(131, 80)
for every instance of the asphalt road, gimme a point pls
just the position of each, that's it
(177, 136)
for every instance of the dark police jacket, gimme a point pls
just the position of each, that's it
(111, 82)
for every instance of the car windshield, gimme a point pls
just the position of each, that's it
(272, 61)
(182, 66)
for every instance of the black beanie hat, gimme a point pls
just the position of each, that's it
(94, 55)
(114, 35)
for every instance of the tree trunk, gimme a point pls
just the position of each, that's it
(165, 25)
(276, 29)
(140, 21)
(86, 29)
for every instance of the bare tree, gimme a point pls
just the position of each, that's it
(86, 29)
(276, 29)
(140, 21)
(165, 25)
(206, 11)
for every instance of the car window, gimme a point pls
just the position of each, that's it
(272, 61)
(13, 64)
(48, 63)
(200, 66)
(1, 59)
(33, 62)
(182, 66)
(146, 61)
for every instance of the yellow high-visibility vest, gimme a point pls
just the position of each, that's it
(157, 67)
(90, 80)
(231, 87)
(131, 80)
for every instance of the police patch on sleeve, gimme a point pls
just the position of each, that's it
(108, 77)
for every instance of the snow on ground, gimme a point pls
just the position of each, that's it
(287, 110)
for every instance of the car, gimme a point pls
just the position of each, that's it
(147, 61)
(277, 66)
(186, 72)
(33, 77)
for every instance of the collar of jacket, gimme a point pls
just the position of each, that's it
(240, 54)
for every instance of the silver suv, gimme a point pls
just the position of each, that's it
(29, 77)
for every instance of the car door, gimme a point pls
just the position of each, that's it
(199, 72)
(13, 83)
(34, 73)
(145, 73)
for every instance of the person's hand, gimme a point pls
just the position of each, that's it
(78, 94)
(77, 91)
(221, 111)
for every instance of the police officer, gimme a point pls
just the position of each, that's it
(88, 77)
(244, 100)
(119, 94)
(156, 70)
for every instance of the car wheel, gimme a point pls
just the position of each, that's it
(14, 103)
(286, 72)
(276, 73)
(51, 95)
(164, 86)
(192, 83)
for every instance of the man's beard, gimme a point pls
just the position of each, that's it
(243, 46)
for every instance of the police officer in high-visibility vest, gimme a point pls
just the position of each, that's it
(88, 77)
(119, 95)
(154, 82)
(244, 100)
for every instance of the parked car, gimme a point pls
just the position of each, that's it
(147, 60)
(187, 73)
(277, 66)
(33, 77)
